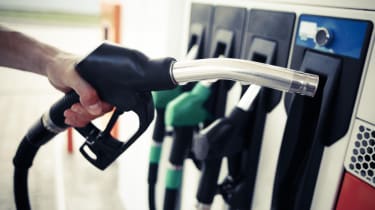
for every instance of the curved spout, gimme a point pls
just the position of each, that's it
(246, 72)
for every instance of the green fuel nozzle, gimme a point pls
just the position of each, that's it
(161, 99)
(184, 113)
(188, 108)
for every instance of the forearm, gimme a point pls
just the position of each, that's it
(25, 53)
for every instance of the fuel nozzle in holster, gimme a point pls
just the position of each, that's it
(212, 142)
(184, 113)
(161, 99)
(225, 137)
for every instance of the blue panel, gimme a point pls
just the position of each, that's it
(348, 34)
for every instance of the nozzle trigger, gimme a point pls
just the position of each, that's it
(100, 148)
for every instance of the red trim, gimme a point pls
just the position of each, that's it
(355, 194)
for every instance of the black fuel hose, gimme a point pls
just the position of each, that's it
(182, 140)
(158, 137)
(40, 133)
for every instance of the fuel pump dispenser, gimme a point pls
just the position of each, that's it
(329, 38)
(332, 39)
(239, 135)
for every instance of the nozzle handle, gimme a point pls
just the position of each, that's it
(100, 148)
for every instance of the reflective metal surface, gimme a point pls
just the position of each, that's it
(246, 72)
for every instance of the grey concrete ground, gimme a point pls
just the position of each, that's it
(57, 179)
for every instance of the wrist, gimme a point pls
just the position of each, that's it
(60, 70)
(54, 62)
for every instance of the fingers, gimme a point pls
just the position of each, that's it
(88, 96)
(74, 120)
(78, 116)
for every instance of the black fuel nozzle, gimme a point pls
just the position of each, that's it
(212, 142)
(124, 78)
(223, 136)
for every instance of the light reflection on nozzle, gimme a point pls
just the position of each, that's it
(246, 72)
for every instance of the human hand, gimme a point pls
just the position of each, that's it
(63, 76)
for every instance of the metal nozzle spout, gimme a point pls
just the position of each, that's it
(304, 84)
(247, 72)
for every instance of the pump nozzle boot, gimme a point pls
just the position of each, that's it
(222, 137)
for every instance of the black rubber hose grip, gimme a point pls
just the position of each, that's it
(22, 162)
